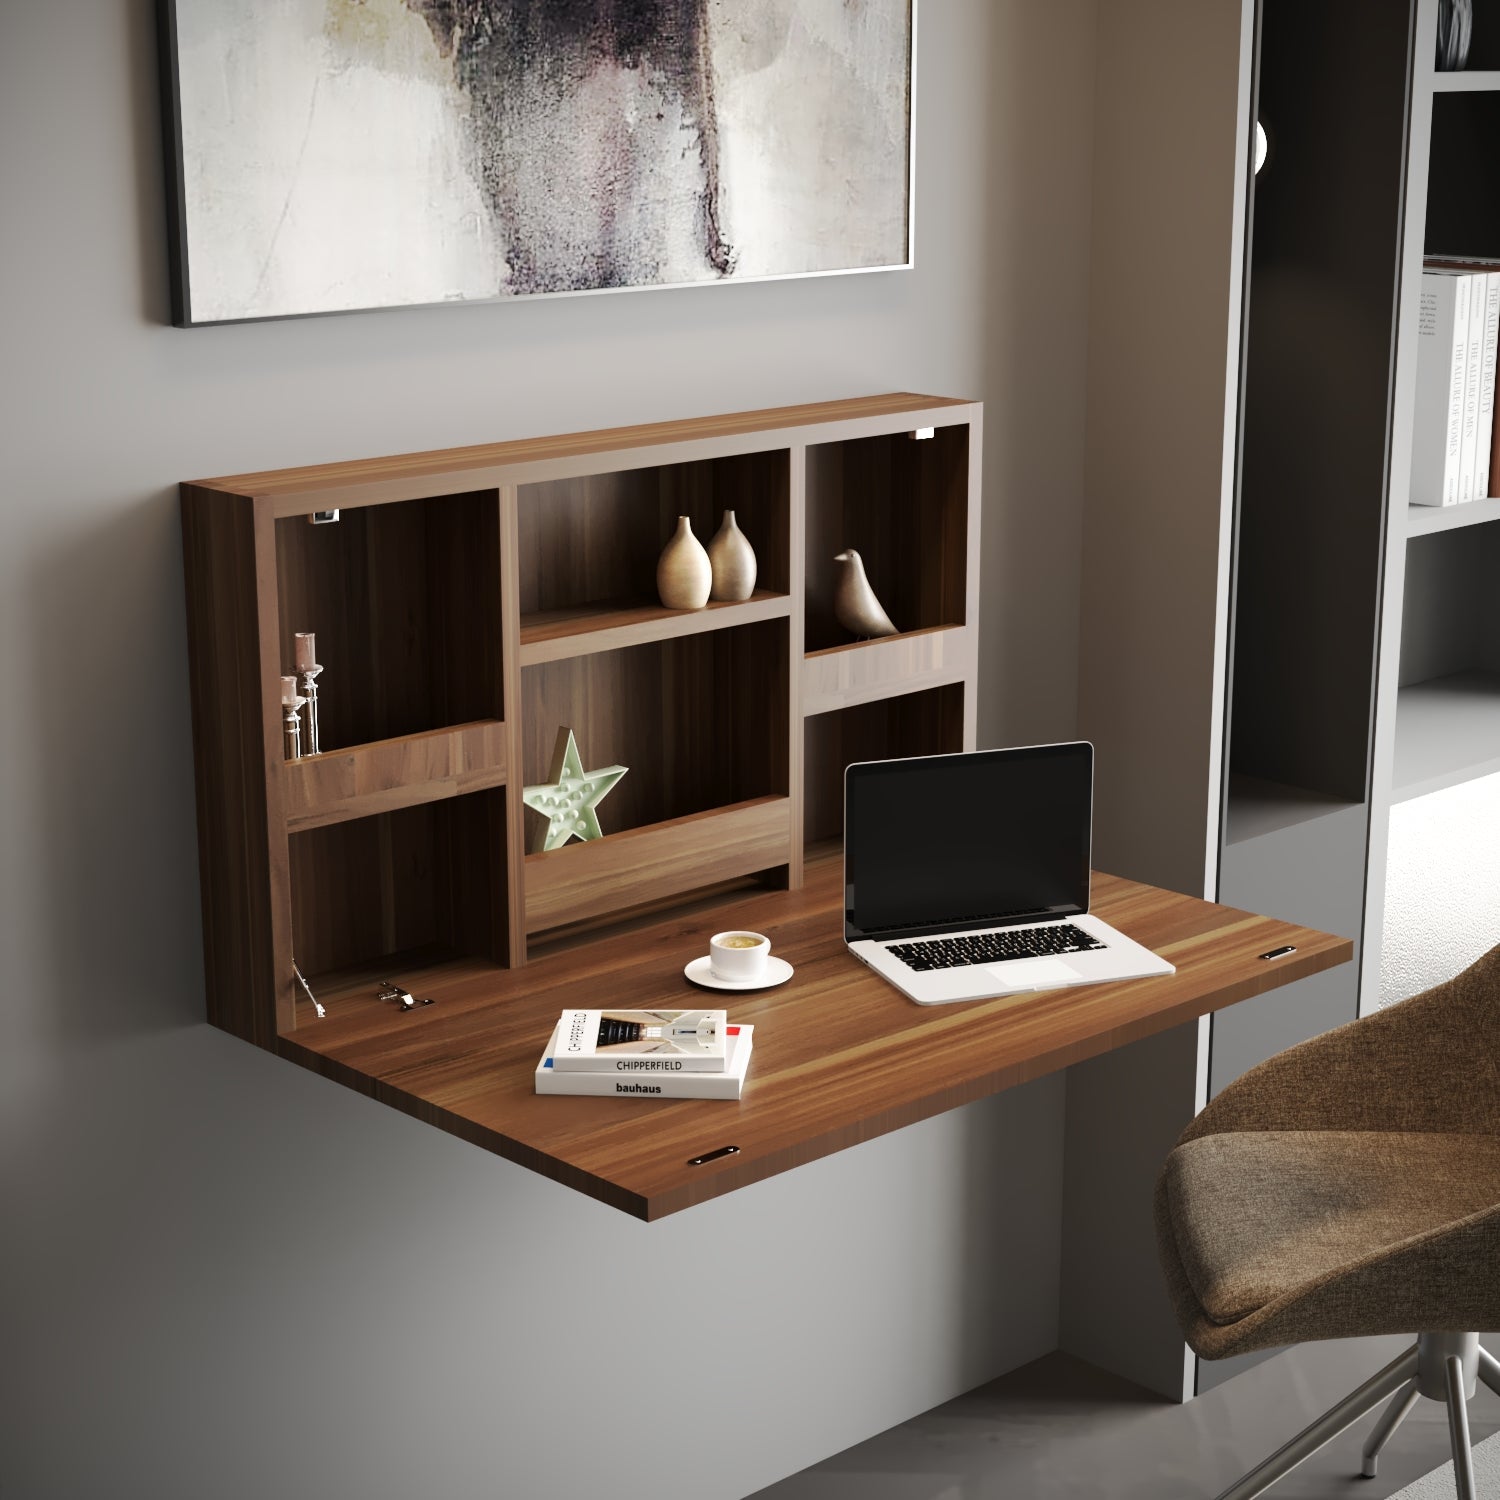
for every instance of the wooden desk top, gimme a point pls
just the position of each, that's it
(840, 1056)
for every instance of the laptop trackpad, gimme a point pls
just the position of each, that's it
(1035, 973)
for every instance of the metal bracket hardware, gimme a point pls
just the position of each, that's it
(404, 997)
(307, 990)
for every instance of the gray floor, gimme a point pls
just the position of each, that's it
(1061, 1430)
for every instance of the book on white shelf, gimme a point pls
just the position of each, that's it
(727, 1084)
(1487, 306)
(642, 1041)
(1485, 427)
(1442, 365)
(1475, 349)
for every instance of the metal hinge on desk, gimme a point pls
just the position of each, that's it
(307, 990)
(407, 1000)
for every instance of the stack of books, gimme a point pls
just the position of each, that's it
(1454, 429)
(646, 1054)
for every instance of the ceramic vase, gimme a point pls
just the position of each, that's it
(683, 572)
(732, 559)
(854, 603)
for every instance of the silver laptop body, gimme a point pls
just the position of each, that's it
(967, 876)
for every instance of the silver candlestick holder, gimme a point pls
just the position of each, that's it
(292, 703)
(306, 649)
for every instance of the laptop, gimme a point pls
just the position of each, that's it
(967, 876)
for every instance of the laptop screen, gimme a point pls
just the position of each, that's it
(944, 842)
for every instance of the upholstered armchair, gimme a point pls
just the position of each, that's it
(1351, 1186)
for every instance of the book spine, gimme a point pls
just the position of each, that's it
(1437, 417)
(638, 1066)
(1484, 462)
(1469, 462)
(674, 1086)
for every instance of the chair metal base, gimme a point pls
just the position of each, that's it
(1441, 1366)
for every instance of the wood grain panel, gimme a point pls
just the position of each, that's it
(583, 880)
(840, 1056)
(414, 475)
(560, 634)
(844, 675)
(395, 773)
(235, 873)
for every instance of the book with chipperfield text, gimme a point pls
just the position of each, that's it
(726, 1084)
(641, 1041)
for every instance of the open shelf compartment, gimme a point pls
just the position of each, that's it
(1448, 704)
(930, 722)
(902, 502)
(427, 880)
(405, 602)
(702, 723)
(592, 544)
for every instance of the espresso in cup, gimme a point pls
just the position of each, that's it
(738, 957)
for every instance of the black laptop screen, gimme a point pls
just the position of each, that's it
(952, 841)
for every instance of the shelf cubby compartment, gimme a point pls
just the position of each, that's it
(591, 546)
(702, 723)
(930, 722)
(1448, 703)
(389, 774)
(405, 601)
(1462, 216)
(419, 884)
(903, 502)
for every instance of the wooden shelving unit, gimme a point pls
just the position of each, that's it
(468, 603)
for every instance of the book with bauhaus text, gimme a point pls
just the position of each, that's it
(728, 1083)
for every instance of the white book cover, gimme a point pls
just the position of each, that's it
(1442, 363)
(641, 1041)
(728, 1084)
(1469, 462)
(1482, 447)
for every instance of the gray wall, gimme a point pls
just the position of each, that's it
(223, 1276)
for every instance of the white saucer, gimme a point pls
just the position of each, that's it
(700, 971)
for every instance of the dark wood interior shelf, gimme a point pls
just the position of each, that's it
(388, 774)
(839, 676)
(642, 865)
(556, 635)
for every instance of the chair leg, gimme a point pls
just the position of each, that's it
(1401, 1403)
(1458, 1429)
(1375, 1390)
(1489, 1369)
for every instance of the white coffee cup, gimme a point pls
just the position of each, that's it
(738, 956)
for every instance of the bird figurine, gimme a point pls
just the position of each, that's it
(854, 603)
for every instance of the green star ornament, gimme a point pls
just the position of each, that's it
(568, 801)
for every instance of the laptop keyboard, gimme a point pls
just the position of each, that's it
(994, 947)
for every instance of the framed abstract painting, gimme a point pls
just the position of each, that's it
(333, 155)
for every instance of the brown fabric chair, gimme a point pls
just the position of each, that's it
(1351, 1186)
